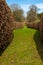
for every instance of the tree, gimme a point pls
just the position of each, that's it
(32, 13)
(15, 7)
(39, 15)
(18, 13)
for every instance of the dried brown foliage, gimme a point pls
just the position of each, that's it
(38, 26)
(33, 25)
(6, 24)
(18, 25)
(41, 27)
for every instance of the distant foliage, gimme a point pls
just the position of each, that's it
(18, 13)
(32, 13)
(39, 15)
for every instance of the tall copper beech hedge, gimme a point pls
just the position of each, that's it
(6, 24)
(41, 27)
(38, 26)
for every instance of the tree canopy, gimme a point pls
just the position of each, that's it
(18, 13)
(32, 13)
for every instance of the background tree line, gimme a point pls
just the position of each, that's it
(18, 13)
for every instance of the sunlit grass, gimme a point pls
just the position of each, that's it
(22, 50)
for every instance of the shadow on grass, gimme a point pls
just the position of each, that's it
(4, 47)
(39, 44)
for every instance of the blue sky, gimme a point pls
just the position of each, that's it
(26, 3)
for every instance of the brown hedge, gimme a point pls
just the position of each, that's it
(6, 24)
(33, 25)
(41, 27)
(18, 25)
(38, 26)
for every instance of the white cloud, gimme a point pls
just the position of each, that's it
(25, 7)
(40, 5)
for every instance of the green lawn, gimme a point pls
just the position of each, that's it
(24, 49)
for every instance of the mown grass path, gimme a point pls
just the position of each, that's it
(22, 50)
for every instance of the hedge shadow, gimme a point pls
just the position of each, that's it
(39, 44)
